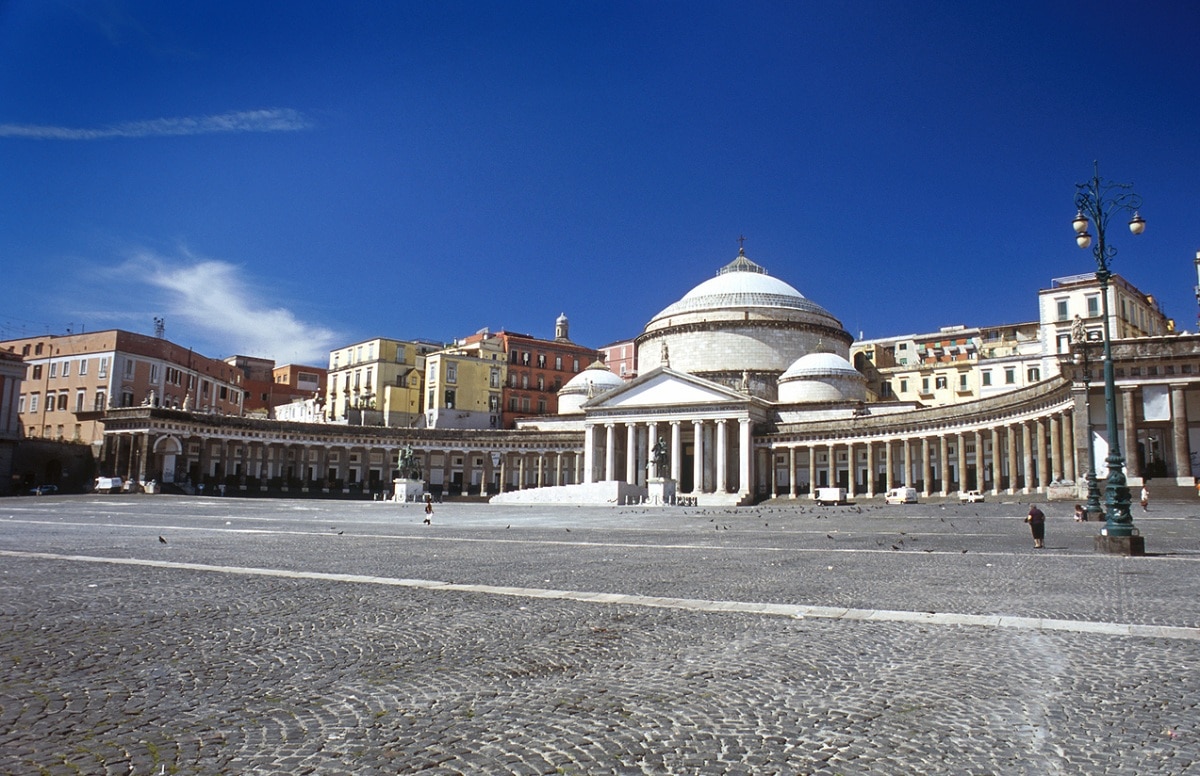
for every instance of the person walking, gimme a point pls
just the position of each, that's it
(1145, 498)
(1037, 525)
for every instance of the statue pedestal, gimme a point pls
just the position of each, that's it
(407, 490)
(660, 491)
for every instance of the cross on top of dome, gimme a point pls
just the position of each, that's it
(741, 263)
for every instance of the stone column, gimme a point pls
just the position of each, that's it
(631, 453)
(831, 465)
(851, 471)
(1179, 435)
(676, 451)
(558, 468)
(870, 469)
(504, 470)
(979, 462)
(1067, 424)
(944, 462)
(908, 464)
(610, 451)
(541, 469)
(698, 459)
(960, 482)
(651, 441)
(792, 471)
(744, 473)
(589, 454)
(1055, 449)
(1028, 484)
(926, 468)
(1043, 458)
(1010, 435)
(521, 471)
(997, 458)
(722, 484)
(889, 477)
(1129, 438)
(812, 471)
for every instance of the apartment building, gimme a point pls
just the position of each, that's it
(70, 379)
(378, 382)
(12, 373)
(621, 358)
(464, 384)
(267, 386)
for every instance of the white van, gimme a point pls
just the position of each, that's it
(827, 496)
(901, 496)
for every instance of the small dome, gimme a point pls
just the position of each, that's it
(821, 377)
(593, 381)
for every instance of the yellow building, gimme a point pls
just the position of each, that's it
(464, 384)
(377, 382)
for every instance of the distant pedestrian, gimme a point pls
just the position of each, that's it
(1080, 513)
(428, 509)
(1037, 525)
(1145, 498)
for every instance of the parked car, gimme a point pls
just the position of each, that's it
(43, 490)
(901, 496)
(971, 497)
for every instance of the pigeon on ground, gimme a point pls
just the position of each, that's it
(164, 541)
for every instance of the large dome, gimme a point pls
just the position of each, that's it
(740, 328)
(741, 283)
(820, 377)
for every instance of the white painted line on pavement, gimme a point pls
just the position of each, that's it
(689, 604)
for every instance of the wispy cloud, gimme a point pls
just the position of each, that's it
(266, 120)
(215, 302)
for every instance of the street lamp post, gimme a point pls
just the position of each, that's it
(1082, 357)
(1096, 201)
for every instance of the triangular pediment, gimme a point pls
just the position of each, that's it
(666, 388)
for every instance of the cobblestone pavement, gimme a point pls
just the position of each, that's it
(289, 637)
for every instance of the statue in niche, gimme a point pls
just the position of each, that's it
(666, 355)
(1078, 330)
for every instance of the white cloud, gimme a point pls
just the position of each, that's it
(217, 305)
(266, 120)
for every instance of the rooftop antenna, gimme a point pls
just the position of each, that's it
(160, 328)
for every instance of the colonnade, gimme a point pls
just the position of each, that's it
(331, 466)
(709, 455)
(1019, 456)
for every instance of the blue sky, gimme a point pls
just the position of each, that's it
(279, 179)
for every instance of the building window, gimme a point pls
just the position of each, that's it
(83, 362)
(49, 401)
(541, 383)
(1034, 374)
(493, 402)
(524, 404)
(34, 398)
(1061, 306)
(924, 385)
(962, 382)
(129, 367)
(1010, 375)
(449, 398)
(495, 378)
(37, 372)
(525, 381)
(21, 404)
(940, 383)
(558, 363)
(987, 377)
(1093, 306)
(904, 386)
(100, 401)
(66, 369)
(575, 365)
(103, 372)
(62, 401)
(541, 360)
(512, 404)
(451, 373)
(541, 406)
